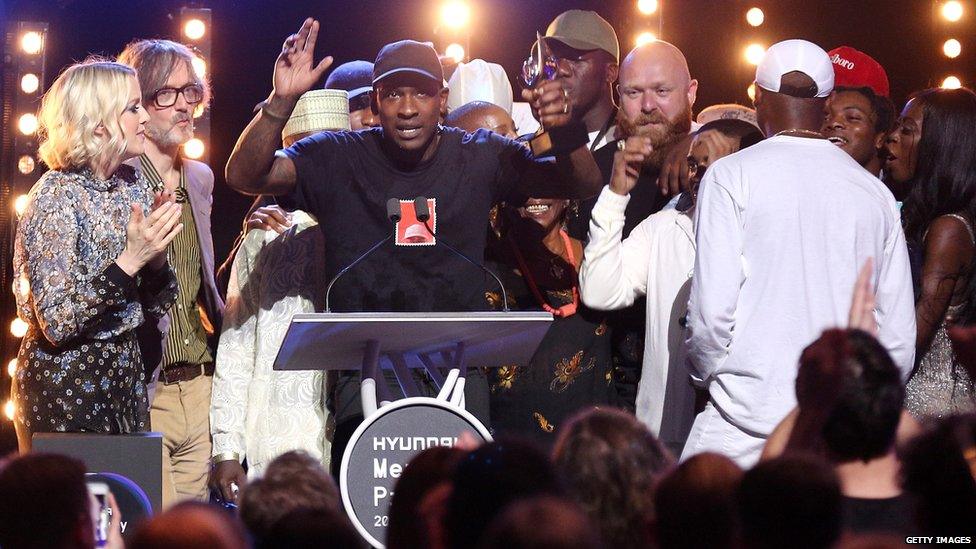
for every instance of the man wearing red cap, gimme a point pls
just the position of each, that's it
(859, 113)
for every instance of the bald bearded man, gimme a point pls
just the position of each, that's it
(657, 93)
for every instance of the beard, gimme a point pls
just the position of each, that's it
(664, 133)
(174, 136)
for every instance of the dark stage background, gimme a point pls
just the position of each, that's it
(904, 35)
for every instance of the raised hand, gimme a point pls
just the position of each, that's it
(148, 237)
(550, 103)
(861, 315)
(295, 71)
(627, 163)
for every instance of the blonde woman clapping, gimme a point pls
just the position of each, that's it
(90, 260)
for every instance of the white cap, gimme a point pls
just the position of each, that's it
(479, 80)
(318, 111)
(796, 55)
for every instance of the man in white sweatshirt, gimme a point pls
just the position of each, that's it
(782, 230)
(656, 260)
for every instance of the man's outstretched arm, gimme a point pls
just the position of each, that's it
(253, 167)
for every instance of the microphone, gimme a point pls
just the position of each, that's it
(423, 215)
(394, 214)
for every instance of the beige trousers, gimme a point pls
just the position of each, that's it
(181, 412)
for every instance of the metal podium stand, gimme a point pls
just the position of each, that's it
(369, 341)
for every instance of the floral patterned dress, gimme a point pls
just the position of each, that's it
(79, 367)
(571, 370)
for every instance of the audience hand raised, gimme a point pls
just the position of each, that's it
(861, 316)
(295, 71)
(627, 163)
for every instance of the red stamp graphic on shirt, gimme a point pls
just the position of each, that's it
(411, 231)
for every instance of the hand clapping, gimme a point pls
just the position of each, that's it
(148, 237)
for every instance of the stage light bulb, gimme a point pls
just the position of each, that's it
(952, 48)
(23, 286)
(194, 29)
(455, 52)
(751, 91)
(12, 367)
(193, 148)
(20, 204)
(647, 7)
(26, 164)
(10, 409)
(755, 17)
(455, 14)
(951, 83)
(18, 328)
(644, 38)
(952, 11)
(27, 124)
(199, 67)
(29, 83)
(31, 42)
(754, 53)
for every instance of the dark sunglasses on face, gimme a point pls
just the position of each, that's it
(166, 97)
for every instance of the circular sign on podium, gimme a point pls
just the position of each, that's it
(380, 449)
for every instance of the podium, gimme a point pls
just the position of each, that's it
(392, 433)
(400, 341)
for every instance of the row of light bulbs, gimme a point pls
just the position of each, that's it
(952, 11)
(32, 43)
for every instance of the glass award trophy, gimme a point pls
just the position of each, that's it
(541, 65)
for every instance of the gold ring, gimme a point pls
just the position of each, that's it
(565, 108)
(621, 145)
(565, 93)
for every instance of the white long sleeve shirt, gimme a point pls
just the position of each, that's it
(783, 229)
(656, 260)
(256, 412)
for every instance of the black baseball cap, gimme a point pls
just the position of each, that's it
(407, 56)
(356, 77)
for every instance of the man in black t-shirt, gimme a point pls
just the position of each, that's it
(344, 179)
